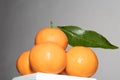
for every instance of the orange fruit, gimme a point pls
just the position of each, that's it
(81, 61)
(47, 57)
(53, 35)
(22, 63)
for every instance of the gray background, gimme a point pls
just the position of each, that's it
(21, 19)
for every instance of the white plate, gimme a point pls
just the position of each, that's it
(46, 76)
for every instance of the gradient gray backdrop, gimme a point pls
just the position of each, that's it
(21, 19)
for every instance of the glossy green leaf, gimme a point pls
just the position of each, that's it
(80, 37)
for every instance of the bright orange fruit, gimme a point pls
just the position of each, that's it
(48, 57)
(81, 61)
(22, 63)
(51, 35)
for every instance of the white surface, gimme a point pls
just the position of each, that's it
(46, 76)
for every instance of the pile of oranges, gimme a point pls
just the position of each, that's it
(49, 55)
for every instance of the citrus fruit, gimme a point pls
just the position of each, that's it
(22, 63)
(53, 35)
(47, 57)
(81, 61)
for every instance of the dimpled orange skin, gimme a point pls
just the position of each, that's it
(22, 63)
(53, 35)
(81, 61)
(48, 57)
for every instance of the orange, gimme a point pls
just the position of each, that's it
(81, 61)
(48, 57)
(53, 35)
(22, 63)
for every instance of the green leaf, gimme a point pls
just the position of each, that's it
(80, 37)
